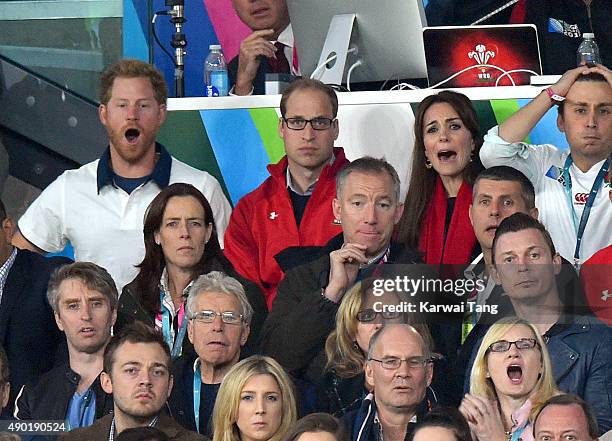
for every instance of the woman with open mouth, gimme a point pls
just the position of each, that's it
(255, 402)
(511, 378)
(445, 162)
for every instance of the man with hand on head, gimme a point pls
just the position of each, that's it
(100, 207)
(293, 207)
(84, 299)
(571, 195)
(137, 373)
(269, 49)
(304, 312)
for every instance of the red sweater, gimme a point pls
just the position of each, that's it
(263, 224)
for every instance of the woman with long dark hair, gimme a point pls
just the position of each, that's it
(180, 244)
(445, 162)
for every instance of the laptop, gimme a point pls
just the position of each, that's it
(451, 49)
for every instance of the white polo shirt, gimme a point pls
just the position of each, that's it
(543, 165)
(105, 226)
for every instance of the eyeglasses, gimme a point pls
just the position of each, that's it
(318, 123)
(504, 345)
(393, 363)
(369, 315)
(227, 317)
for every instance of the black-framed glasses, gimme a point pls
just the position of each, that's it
(227, 317)
(393, 363)
(504, 345)
(369, 315)
(318, 123)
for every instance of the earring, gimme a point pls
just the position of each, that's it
(355, 346)
(428, 164)
(337, 222)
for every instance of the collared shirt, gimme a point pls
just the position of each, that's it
(291, 186)
(104, 223)
(378, 429)
(4, 270)
(478, 296)
(82, 409)
(160, 174)
(168, 303)
(286, 38)
(111, 433)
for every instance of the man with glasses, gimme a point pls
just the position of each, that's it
(525, 264)
(400, 370)
(293, 207)
(219, 325)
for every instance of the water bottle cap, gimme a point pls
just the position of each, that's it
(214, 47)
(588, 35)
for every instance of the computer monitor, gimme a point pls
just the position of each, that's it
(387, 35)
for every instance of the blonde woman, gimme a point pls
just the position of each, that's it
(511, 378)
(357, 319)
(255, 402)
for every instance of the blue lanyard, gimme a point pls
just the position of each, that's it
(197, 386)
(518, 432)
(177, 345)
(589, 203)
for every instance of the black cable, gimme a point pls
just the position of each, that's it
(338, 87)
(156, 38)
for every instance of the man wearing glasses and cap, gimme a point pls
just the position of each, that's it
(293, 207)
(219, 325)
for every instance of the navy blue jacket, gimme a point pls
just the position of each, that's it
(259, 82)
(360, 422)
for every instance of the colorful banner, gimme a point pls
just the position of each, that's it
(237, 144)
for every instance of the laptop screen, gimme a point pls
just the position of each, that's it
(451, 49)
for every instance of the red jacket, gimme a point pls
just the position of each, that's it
(263, 224)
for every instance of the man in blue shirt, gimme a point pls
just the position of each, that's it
(84, 300)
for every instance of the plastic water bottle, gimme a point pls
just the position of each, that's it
(215, 72)
(588, 51)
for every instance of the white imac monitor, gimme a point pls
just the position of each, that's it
(376, 40)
